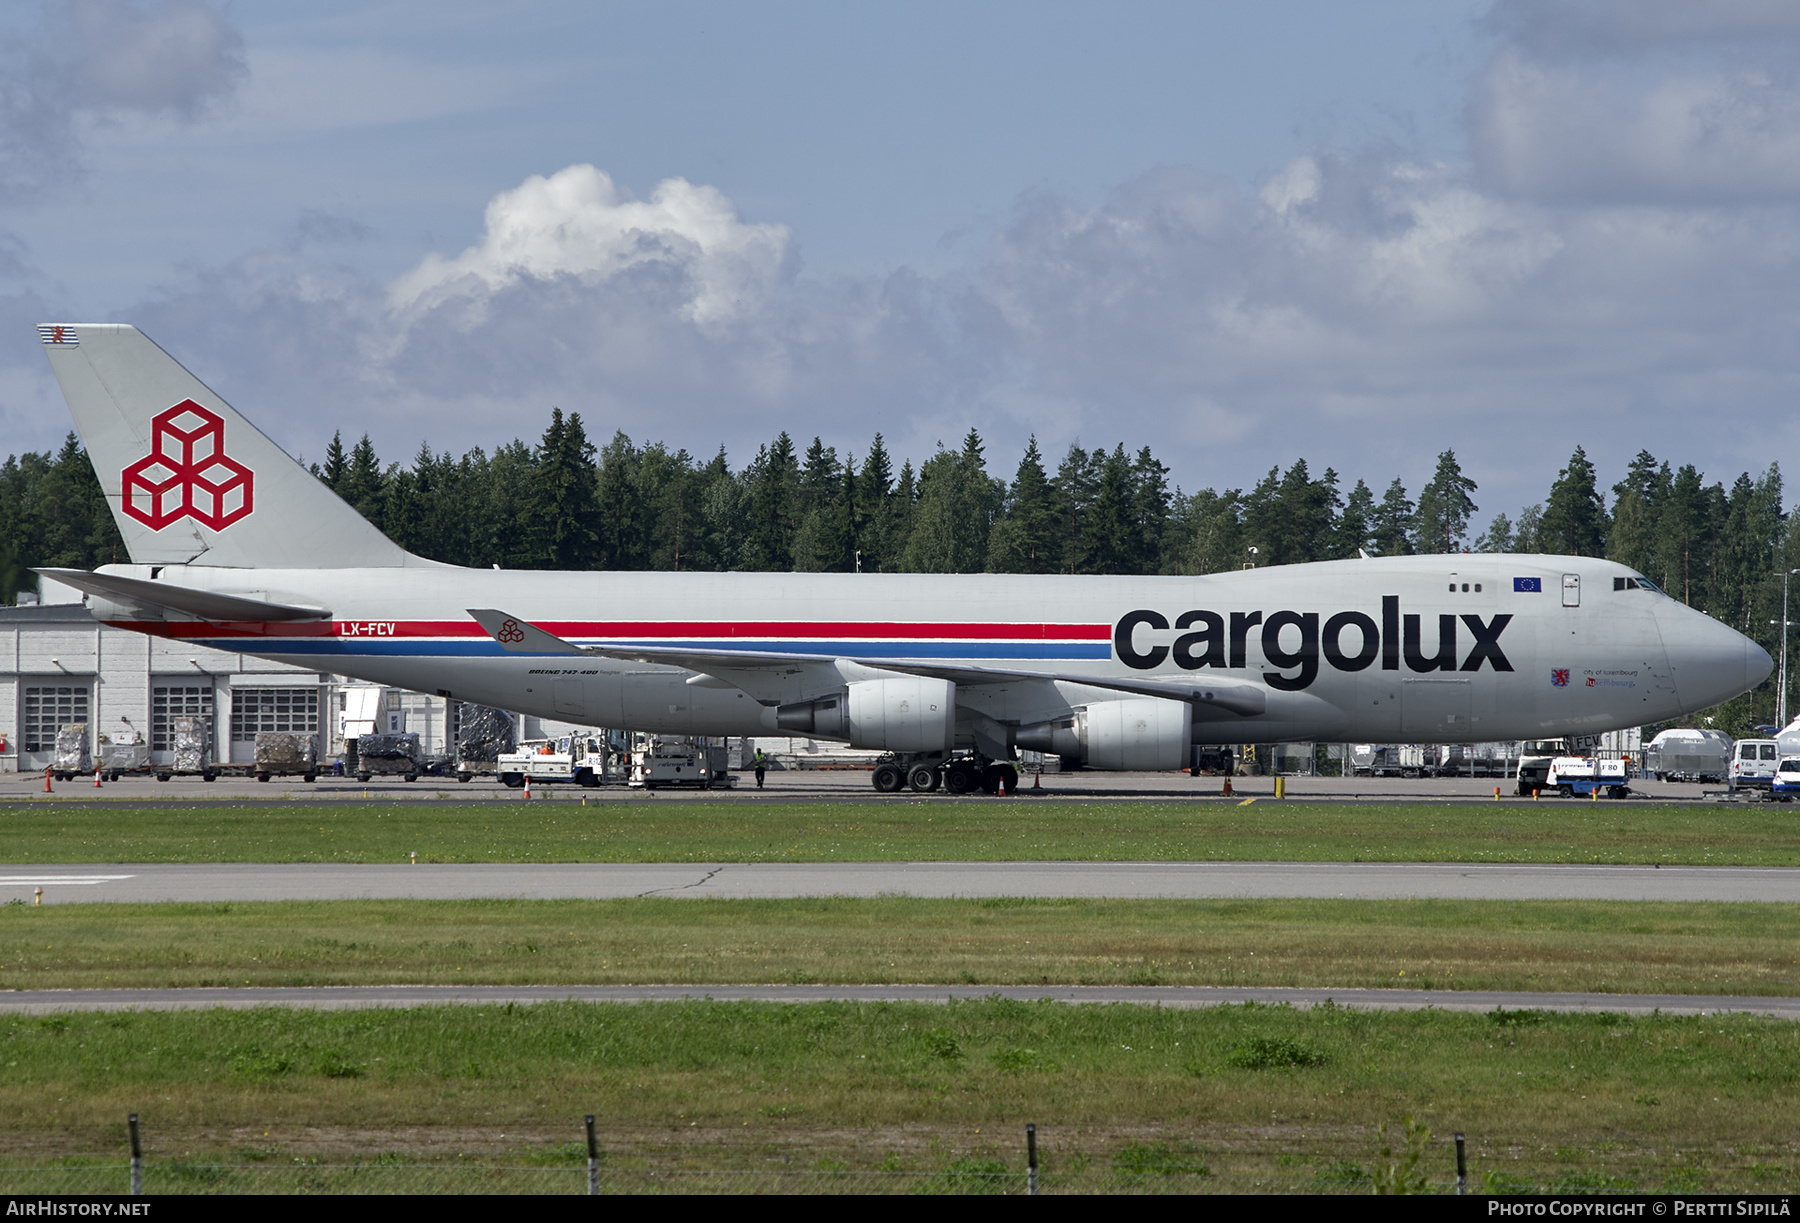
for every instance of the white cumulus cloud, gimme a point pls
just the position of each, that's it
(578, 222)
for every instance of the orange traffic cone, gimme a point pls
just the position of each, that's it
(47, 781)
(1226, 792)
(1002, 791)
(1037, 781)
(96, 779)
(528, 787)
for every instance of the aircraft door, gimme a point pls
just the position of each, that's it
(1436, 710)
(567, 696)
(1571, 590)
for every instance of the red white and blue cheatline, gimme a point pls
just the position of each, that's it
(58, 333)
(827, 639)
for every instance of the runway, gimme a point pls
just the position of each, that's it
(216, 882)
(345, 997)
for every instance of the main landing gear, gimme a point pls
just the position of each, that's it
(957, 775)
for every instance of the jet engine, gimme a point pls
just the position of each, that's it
(910, 714)
(1138, 734)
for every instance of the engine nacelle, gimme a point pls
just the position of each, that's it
(911, 714)
(1145, 734)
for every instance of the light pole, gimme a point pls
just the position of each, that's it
(1781, 713)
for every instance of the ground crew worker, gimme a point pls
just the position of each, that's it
(762, 762)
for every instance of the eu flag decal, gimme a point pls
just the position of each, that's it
(1534, 586)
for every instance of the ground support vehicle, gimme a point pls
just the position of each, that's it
(388, 755)
(281, 753)
(483, 735)
(1787, 779)
(72, 757)
(193, 757)
(118, 759)
(658, 762)
(1753, 764)
(1390, 759)
(1582, 776)
(1212, 759)
(584, 760)
(1535, 758)
(962, 774)
(1689, 755)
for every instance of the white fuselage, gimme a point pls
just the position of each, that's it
(1432, 648)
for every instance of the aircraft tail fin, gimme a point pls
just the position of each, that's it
(189, 480)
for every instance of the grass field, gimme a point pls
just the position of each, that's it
(1236, 1097)
(1628, 947)
(674, 831)
(1577, 1102)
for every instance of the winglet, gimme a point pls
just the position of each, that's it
(517, 636)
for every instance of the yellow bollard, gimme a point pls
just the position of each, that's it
(1281, 787)
(1534, 795)
(1496, 793)
(1594, 794)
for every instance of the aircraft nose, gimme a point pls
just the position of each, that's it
(1757, 664)
(1711, 662)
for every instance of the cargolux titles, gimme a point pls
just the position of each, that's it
(1295, 641)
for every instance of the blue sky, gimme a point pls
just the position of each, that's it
(1241, 234)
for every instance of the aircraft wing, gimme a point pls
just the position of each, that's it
(520, 636)
(204, 604)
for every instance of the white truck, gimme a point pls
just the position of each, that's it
(1753, 764)
(584, 760)
(657, 762)
(1581, 776)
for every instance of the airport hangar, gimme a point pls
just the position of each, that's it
(58, 665)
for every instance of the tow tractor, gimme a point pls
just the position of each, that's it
(582, 759)
(1535, 758)
(1570, 776)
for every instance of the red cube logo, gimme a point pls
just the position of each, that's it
(187, 474)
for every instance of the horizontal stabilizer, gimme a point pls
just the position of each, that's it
(201, 603)
(518, 636)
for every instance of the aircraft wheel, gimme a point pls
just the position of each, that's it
(990, 779)
(889, 778)
(960, 779)
(923, 778)
(1010, 776)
